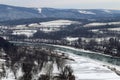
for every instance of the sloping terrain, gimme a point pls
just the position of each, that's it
(14, 13)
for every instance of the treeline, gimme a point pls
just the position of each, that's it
(74, 30)
(35, 20)
(25, 21)
(109, 47)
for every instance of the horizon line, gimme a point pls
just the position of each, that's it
(60, 8)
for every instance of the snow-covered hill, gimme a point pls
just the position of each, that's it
(49, 26)
(12, 13)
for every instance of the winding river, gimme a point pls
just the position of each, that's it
(91, 55)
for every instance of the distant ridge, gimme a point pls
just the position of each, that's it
(14, 13)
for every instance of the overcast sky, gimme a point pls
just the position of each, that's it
(79, 4)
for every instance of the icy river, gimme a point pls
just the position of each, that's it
(88, 65)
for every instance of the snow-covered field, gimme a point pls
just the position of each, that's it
(49, 26)
(107, 11)
(94, 24)
(28, 33)
(114, 29)
(54, 23)
(71, 38)
(101, 24)
(20, 27)
(58, 22)
(86, 12)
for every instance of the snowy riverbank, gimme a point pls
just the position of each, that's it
(88, 69)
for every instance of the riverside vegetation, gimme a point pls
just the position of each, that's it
(34, 63)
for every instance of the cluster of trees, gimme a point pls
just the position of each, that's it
(33, 59)
(110, 47)
(76, 30)
(113, 47)
(25, 21)
(72, 30)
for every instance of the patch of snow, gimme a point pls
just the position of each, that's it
(20, 27)
(9, 75)
(55, 69)
(46, 30)
(86, 12)
(113, 23)
(2, 60)
(19, 72)
(35, 62)
(47, 67)
(107, 11)
(39, 10)
(34, 25)
(28, 33)
(114, 29)
(95, 30)
(95, 24)
(71, 38)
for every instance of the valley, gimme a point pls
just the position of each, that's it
(103, 37)
(59, 44)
